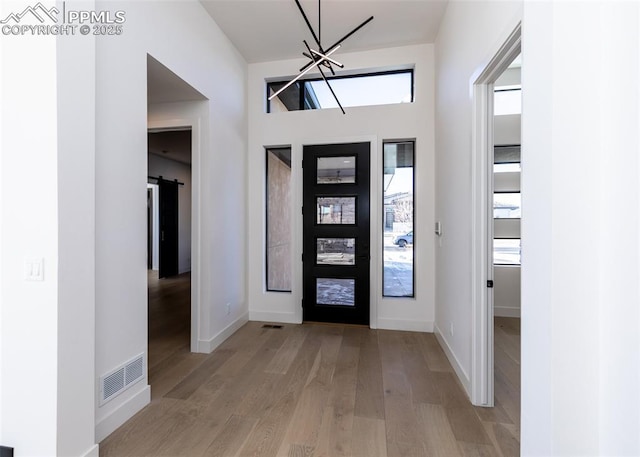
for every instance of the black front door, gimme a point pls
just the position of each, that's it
(336, 233)
(168, 202)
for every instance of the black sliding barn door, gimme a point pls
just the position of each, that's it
(168, 228)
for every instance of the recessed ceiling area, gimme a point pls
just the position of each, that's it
(171, 144)
(267, 30)
(164, 86)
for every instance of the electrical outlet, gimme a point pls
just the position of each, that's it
(228, 308)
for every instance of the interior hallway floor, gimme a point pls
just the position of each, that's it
(312, 390)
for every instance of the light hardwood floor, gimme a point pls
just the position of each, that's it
(312, 390)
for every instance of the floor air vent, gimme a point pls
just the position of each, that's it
(271, 326)
(121, 378)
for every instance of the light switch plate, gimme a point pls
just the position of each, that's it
(34, 269)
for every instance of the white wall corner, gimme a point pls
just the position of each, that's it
(405, 325)
(123, 413)
(506, 311)
(94, 451)
(275, 316)
(207, 346)
(463, 376)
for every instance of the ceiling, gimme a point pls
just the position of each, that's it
(164, 86)
(171, 144)
(266, 30)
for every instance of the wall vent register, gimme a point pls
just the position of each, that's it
(120, 379)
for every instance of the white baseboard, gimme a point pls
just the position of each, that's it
(383, 324)
(93, 452)
(123, 413)
(268, 316)
(463, 376)
(406, 325)
(504, 311)
(207, 346)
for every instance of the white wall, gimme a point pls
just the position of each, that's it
(1, 247)
(76, 244)
(510, 77)
(29, 203)
(37, 192)
(49, 208)
(580, 315)
(507, 129)
(171, 169)
(373, 123)
(3, 10)
(506, 292)
(182, 36)
(580, 319)
(470, 35)
(47, 349)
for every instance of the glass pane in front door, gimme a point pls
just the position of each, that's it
(336, 210)
(336, 233)
(336, 251)
(336, 170)
(335, 291)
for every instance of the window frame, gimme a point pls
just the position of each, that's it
(506, 89)
(268, 150)
(504, 192)
(519, 264)
(413, 217)
(519, 192)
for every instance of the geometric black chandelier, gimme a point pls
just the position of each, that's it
(322, 56)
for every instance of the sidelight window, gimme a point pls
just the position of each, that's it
(398, 216)
(278, 202)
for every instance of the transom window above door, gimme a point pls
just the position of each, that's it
(381, 88)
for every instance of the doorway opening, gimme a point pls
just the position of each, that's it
(336, 233)
(169, 247)
(496, 221)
